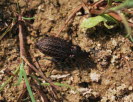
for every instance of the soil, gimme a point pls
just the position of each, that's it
(105, 74)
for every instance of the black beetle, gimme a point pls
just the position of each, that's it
(57, 48)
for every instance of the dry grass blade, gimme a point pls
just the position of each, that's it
(7, 30)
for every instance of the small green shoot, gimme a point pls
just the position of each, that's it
(59, 84)
(34, 77)
(25, 18)
(9, 28)
(22, 74)
(125, 4)
(109, 2)
(8, 80)
(56, 83)
(93, 21)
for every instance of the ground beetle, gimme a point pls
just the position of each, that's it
(57, 48)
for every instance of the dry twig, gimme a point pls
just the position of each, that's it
(24, 56)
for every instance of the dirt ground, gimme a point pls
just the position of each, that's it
(105, 75)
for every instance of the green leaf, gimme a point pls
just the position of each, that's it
(126, 4)
(109, 18)
(20, 75)
(93, 21)
(27, 84)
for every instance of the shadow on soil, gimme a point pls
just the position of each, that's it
(83, 61)
(102, 34)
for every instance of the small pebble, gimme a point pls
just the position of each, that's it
(95, 77)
